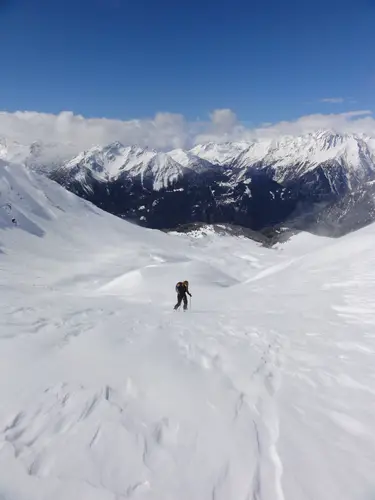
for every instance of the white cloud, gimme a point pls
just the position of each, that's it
(224, 119)
(167, 131)
(162, 131)
(333, 100)
(350, 122)
(360, 122)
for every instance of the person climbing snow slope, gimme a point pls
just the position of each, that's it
(182, 288)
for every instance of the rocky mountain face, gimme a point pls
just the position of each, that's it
(330, 176)
(154, 190)
(322, 181)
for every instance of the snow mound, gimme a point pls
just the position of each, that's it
(134, 285)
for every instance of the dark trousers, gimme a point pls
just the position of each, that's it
(181, 297)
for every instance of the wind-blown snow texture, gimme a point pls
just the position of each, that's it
(264, 390)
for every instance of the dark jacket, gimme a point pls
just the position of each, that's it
(182, 289)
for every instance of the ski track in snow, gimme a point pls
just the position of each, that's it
(263, 390)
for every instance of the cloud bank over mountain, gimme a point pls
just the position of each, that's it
(167, 131)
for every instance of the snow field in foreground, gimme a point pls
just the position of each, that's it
(264, 390)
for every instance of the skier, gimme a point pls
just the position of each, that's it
(182, 288)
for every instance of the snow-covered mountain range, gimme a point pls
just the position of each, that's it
(305, 152)
(256, 184)
(164, 190)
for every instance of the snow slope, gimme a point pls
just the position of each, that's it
(264, 390)
(39, 156)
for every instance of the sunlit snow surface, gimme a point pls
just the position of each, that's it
(263, 390)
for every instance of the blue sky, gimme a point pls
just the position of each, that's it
(267, 60)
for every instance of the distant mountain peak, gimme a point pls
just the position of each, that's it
(252, 183)
(219, 153)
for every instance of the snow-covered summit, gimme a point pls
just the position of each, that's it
(306, 151)
(190, 160)
(162, 170)
(291, 157)
(220, 153)
(110, 162)
(317, 148)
